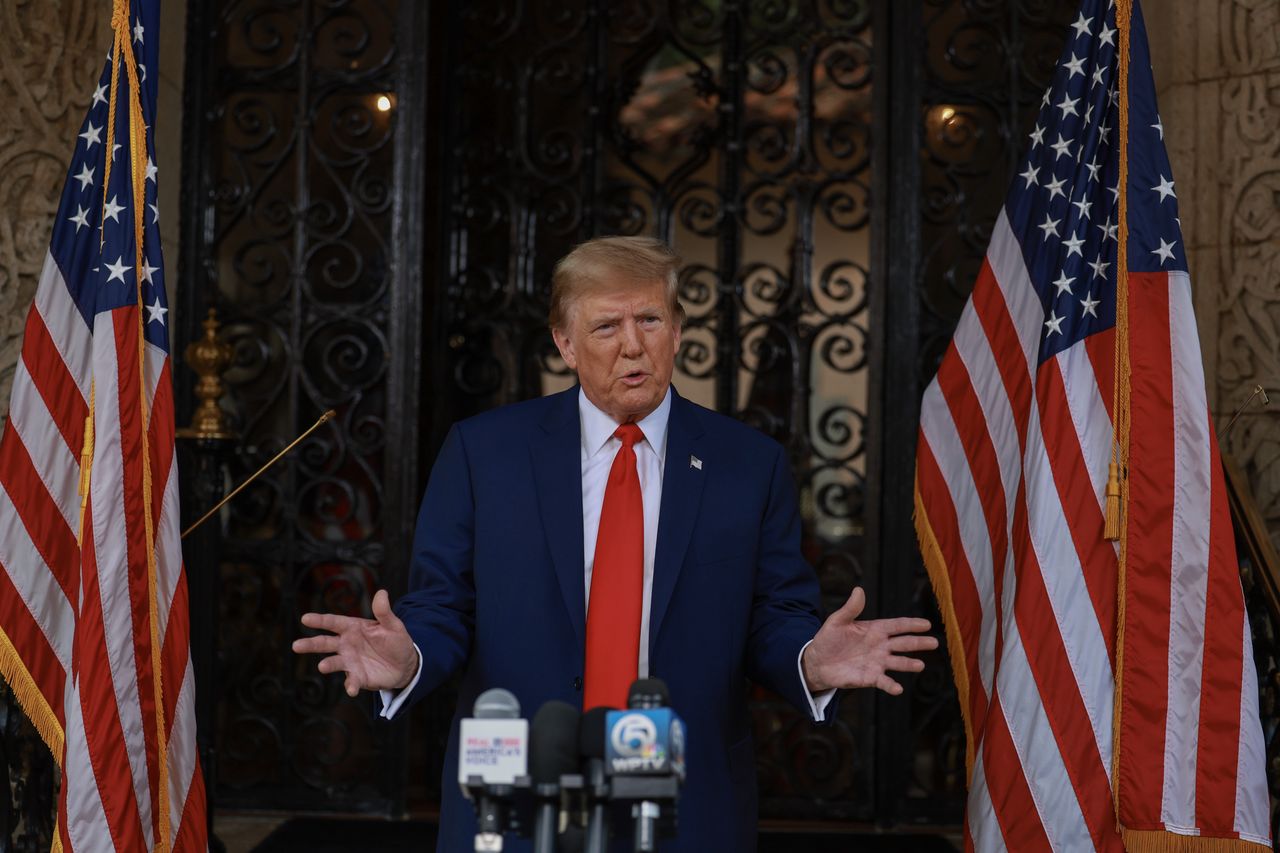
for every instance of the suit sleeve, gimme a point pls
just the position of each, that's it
(439, 609)
(785, 609)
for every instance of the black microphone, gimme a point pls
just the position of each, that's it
(491, 756)
(591, 735)
(553, 752)
(644, 755)
(648, 693)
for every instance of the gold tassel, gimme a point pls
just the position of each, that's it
(1111, 529)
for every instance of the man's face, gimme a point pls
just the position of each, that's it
(622, 341)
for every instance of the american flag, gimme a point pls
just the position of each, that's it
(94, 631)
(1099, 715)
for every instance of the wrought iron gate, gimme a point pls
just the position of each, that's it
(376, 192)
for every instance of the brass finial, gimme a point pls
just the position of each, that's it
(208, 357)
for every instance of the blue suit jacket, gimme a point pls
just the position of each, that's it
(497, 590)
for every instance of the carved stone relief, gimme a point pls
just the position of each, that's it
(1249, 295)
(52, 47)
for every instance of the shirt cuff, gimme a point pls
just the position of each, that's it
(392, 700)
(817, 704)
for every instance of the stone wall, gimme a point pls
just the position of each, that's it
(1217, 68)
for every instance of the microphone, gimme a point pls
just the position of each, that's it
(492, 754)
(591, 738)
(644, 756)
(553, 752)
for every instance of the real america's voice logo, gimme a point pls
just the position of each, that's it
(489, 751)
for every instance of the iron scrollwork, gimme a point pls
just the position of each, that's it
(743, 136)
(300, 208)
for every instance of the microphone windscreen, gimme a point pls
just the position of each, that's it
(553, 742)
(648, 693)
(591, 733)
(496, 704)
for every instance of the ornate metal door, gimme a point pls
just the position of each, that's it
(376, 193)
(826, 169)
(302, 198)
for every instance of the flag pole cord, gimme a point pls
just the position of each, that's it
(326, 417)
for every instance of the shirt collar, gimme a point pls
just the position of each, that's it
(598, 428)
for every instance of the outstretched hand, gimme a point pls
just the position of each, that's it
(849, 653)
(376, 654)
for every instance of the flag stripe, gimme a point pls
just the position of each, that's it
(1253, 803)
(1101, 349)
(1189, 555)
(981, 827)
(27, 575)
(965, 598)
(938, 431)
(1219, 738)
(1068, 529)
(33, 642)
(191, 829)
(43, 367)
(117, 512)
(1021, 824)
(176, 640)
(1093, 428)
(984, 466)
(83, 815)
(114, 733)
(65, 324)
(45, 467)
(182, 738)
(1150, 533)
(133, 453)
(1072, 684)
(1002, 336)
(1009, 271)
(31, 514)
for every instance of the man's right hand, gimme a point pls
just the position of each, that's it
(376, 654)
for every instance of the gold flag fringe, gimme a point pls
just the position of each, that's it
(30, 699)
(936, 565)
(1162, 841)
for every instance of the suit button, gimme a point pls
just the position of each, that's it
(577, 683)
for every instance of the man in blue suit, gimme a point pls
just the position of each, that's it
(568, 544)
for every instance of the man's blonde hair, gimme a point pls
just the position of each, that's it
(614, 261)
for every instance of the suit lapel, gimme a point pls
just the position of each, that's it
(681, 494)
(557, 464)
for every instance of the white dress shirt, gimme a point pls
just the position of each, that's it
(598, 450)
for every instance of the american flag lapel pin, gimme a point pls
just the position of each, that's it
(695, 462)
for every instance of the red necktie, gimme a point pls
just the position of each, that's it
(617, 582)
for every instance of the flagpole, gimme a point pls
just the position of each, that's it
(325, 418)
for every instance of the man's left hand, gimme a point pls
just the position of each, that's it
(848, 653)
